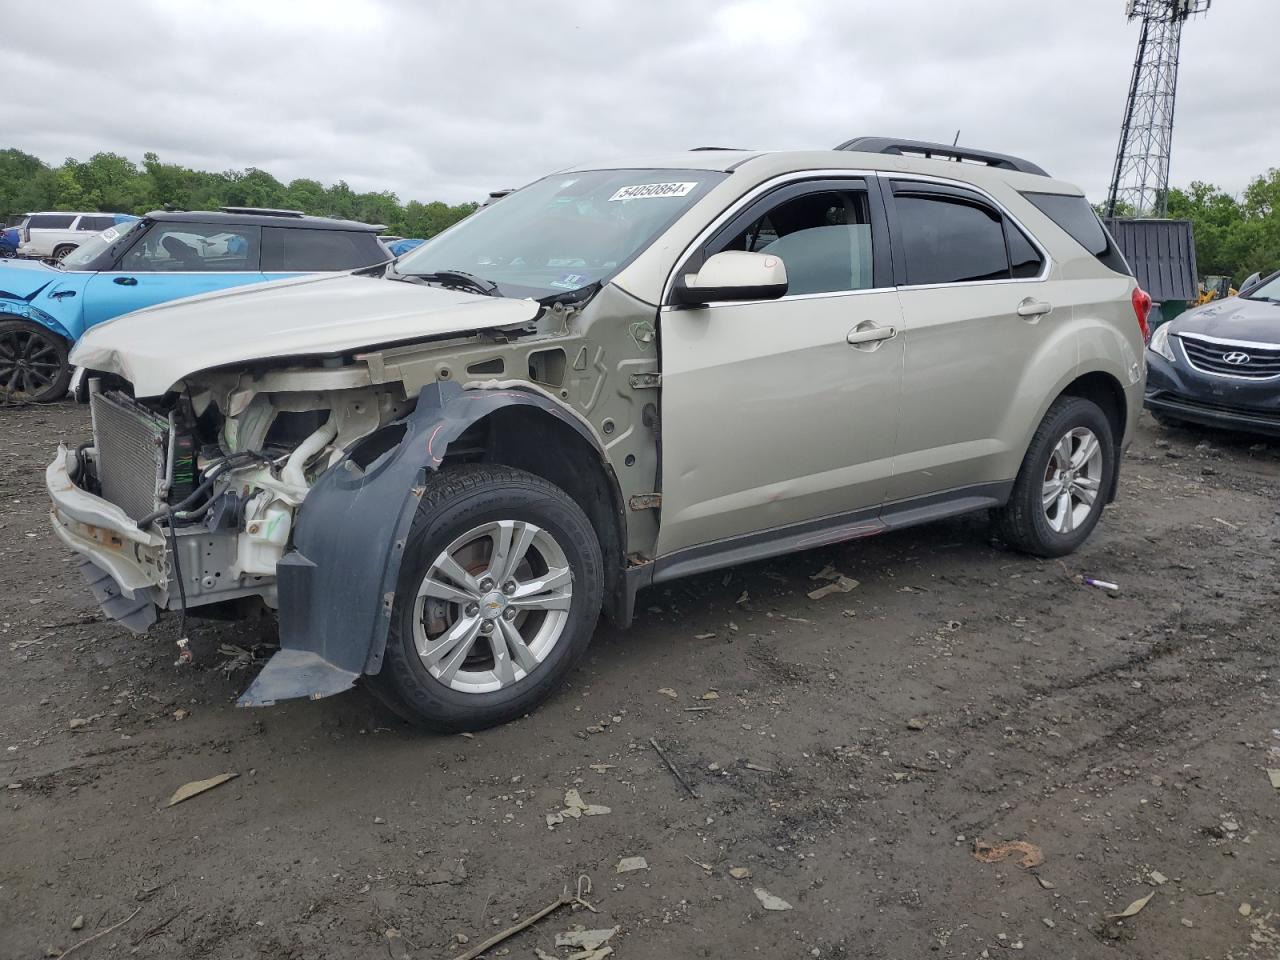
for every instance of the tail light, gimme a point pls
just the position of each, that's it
(1141, 310)
(26, 233)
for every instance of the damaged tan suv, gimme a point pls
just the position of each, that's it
(439, 472)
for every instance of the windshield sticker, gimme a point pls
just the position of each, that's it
(570, 281)
(111, 234)
(647, 190)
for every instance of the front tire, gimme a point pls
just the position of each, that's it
(33, 362)
(1063, 483)
(499, 592)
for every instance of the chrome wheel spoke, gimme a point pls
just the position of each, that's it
(519, 649)
(1062, 452)
(1086, 489)
(1049, 492)
(518, 539)
(1066, 520)
(503, 668)
(465, 631)
(453, 570)
(444, 591)
(1084, 453)
(553, 578)
(461, 633)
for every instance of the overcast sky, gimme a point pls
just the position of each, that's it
(448, 100)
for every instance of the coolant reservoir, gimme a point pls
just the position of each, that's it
(262, 543)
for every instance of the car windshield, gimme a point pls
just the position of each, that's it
(95, 246)
(562, 233)
(1267, 291)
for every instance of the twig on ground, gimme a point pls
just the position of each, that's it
(96, 936)
(672, 767)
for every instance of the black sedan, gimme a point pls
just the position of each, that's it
(1219, 365)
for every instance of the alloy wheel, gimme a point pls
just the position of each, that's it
(29, 362)
(492, 606)
(1072, 480)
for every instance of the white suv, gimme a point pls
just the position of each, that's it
(54, 234)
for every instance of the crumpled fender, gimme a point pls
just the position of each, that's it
(337, 585)
(22, 310)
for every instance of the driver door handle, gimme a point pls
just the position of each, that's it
(870, 333)
(126, 281)
(1032, 307)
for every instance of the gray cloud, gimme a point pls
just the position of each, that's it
(449, 100)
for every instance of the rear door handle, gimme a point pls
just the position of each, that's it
(869, 333)
(126, 281)
(1032, 307)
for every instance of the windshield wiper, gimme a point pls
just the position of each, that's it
(458, 279)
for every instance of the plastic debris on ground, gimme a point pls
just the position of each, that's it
(769, 901)
(839, 584)
(585, 939)
(629, 864)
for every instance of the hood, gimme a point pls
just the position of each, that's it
(304, 316)
(23, 279)
(1235, 318)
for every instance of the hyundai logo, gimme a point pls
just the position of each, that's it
(1236, 358)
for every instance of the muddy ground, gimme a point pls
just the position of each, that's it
(858, 748)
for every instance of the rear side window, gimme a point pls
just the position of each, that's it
(1024, 258)
(949, 240)
(50, 221)
(95, 224)
(1076, 217)
(314, 250)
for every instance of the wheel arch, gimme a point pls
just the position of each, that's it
(537, 436)
(336, 585)
(1104, 390)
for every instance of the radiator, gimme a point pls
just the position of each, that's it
(132, 447)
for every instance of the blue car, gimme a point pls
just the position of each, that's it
(10, 237)
(164, 256)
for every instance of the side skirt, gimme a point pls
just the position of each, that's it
(793, 538)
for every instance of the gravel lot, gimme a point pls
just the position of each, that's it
(847, 751)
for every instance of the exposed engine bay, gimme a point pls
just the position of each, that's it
(223, 467)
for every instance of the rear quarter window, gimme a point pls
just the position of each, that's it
(50, 221)
(1078, 219)
(315, 250)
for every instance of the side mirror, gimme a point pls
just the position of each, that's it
(733, 275)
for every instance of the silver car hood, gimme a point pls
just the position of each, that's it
(303, 316)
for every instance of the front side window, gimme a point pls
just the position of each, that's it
(198, 247)
(950, 240)
(823, 239)
(51, 221)
(564, 232)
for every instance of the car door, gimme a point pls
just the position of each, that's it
(976, 307)
(778, 416)
(171, 260)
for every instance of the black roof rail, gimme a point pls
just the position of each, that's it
(263, 211)
(944, 151)
(731, 149)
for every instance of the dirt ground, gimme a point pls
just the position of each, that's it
(849, 752)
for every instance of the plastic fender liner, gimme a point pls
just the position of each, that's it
(337, 585)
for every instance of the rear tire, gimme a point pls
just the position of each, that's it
(33, 362)
(475, 639)
(1063, 483)
(60, 252)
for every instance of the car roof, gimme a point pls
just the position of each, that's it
(276, 219)
(765, 164)
(74, 213)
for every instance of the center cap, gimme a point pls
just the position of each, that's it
(492, 604)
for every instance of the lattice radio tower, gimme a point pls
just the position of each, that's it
(1140, 179)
